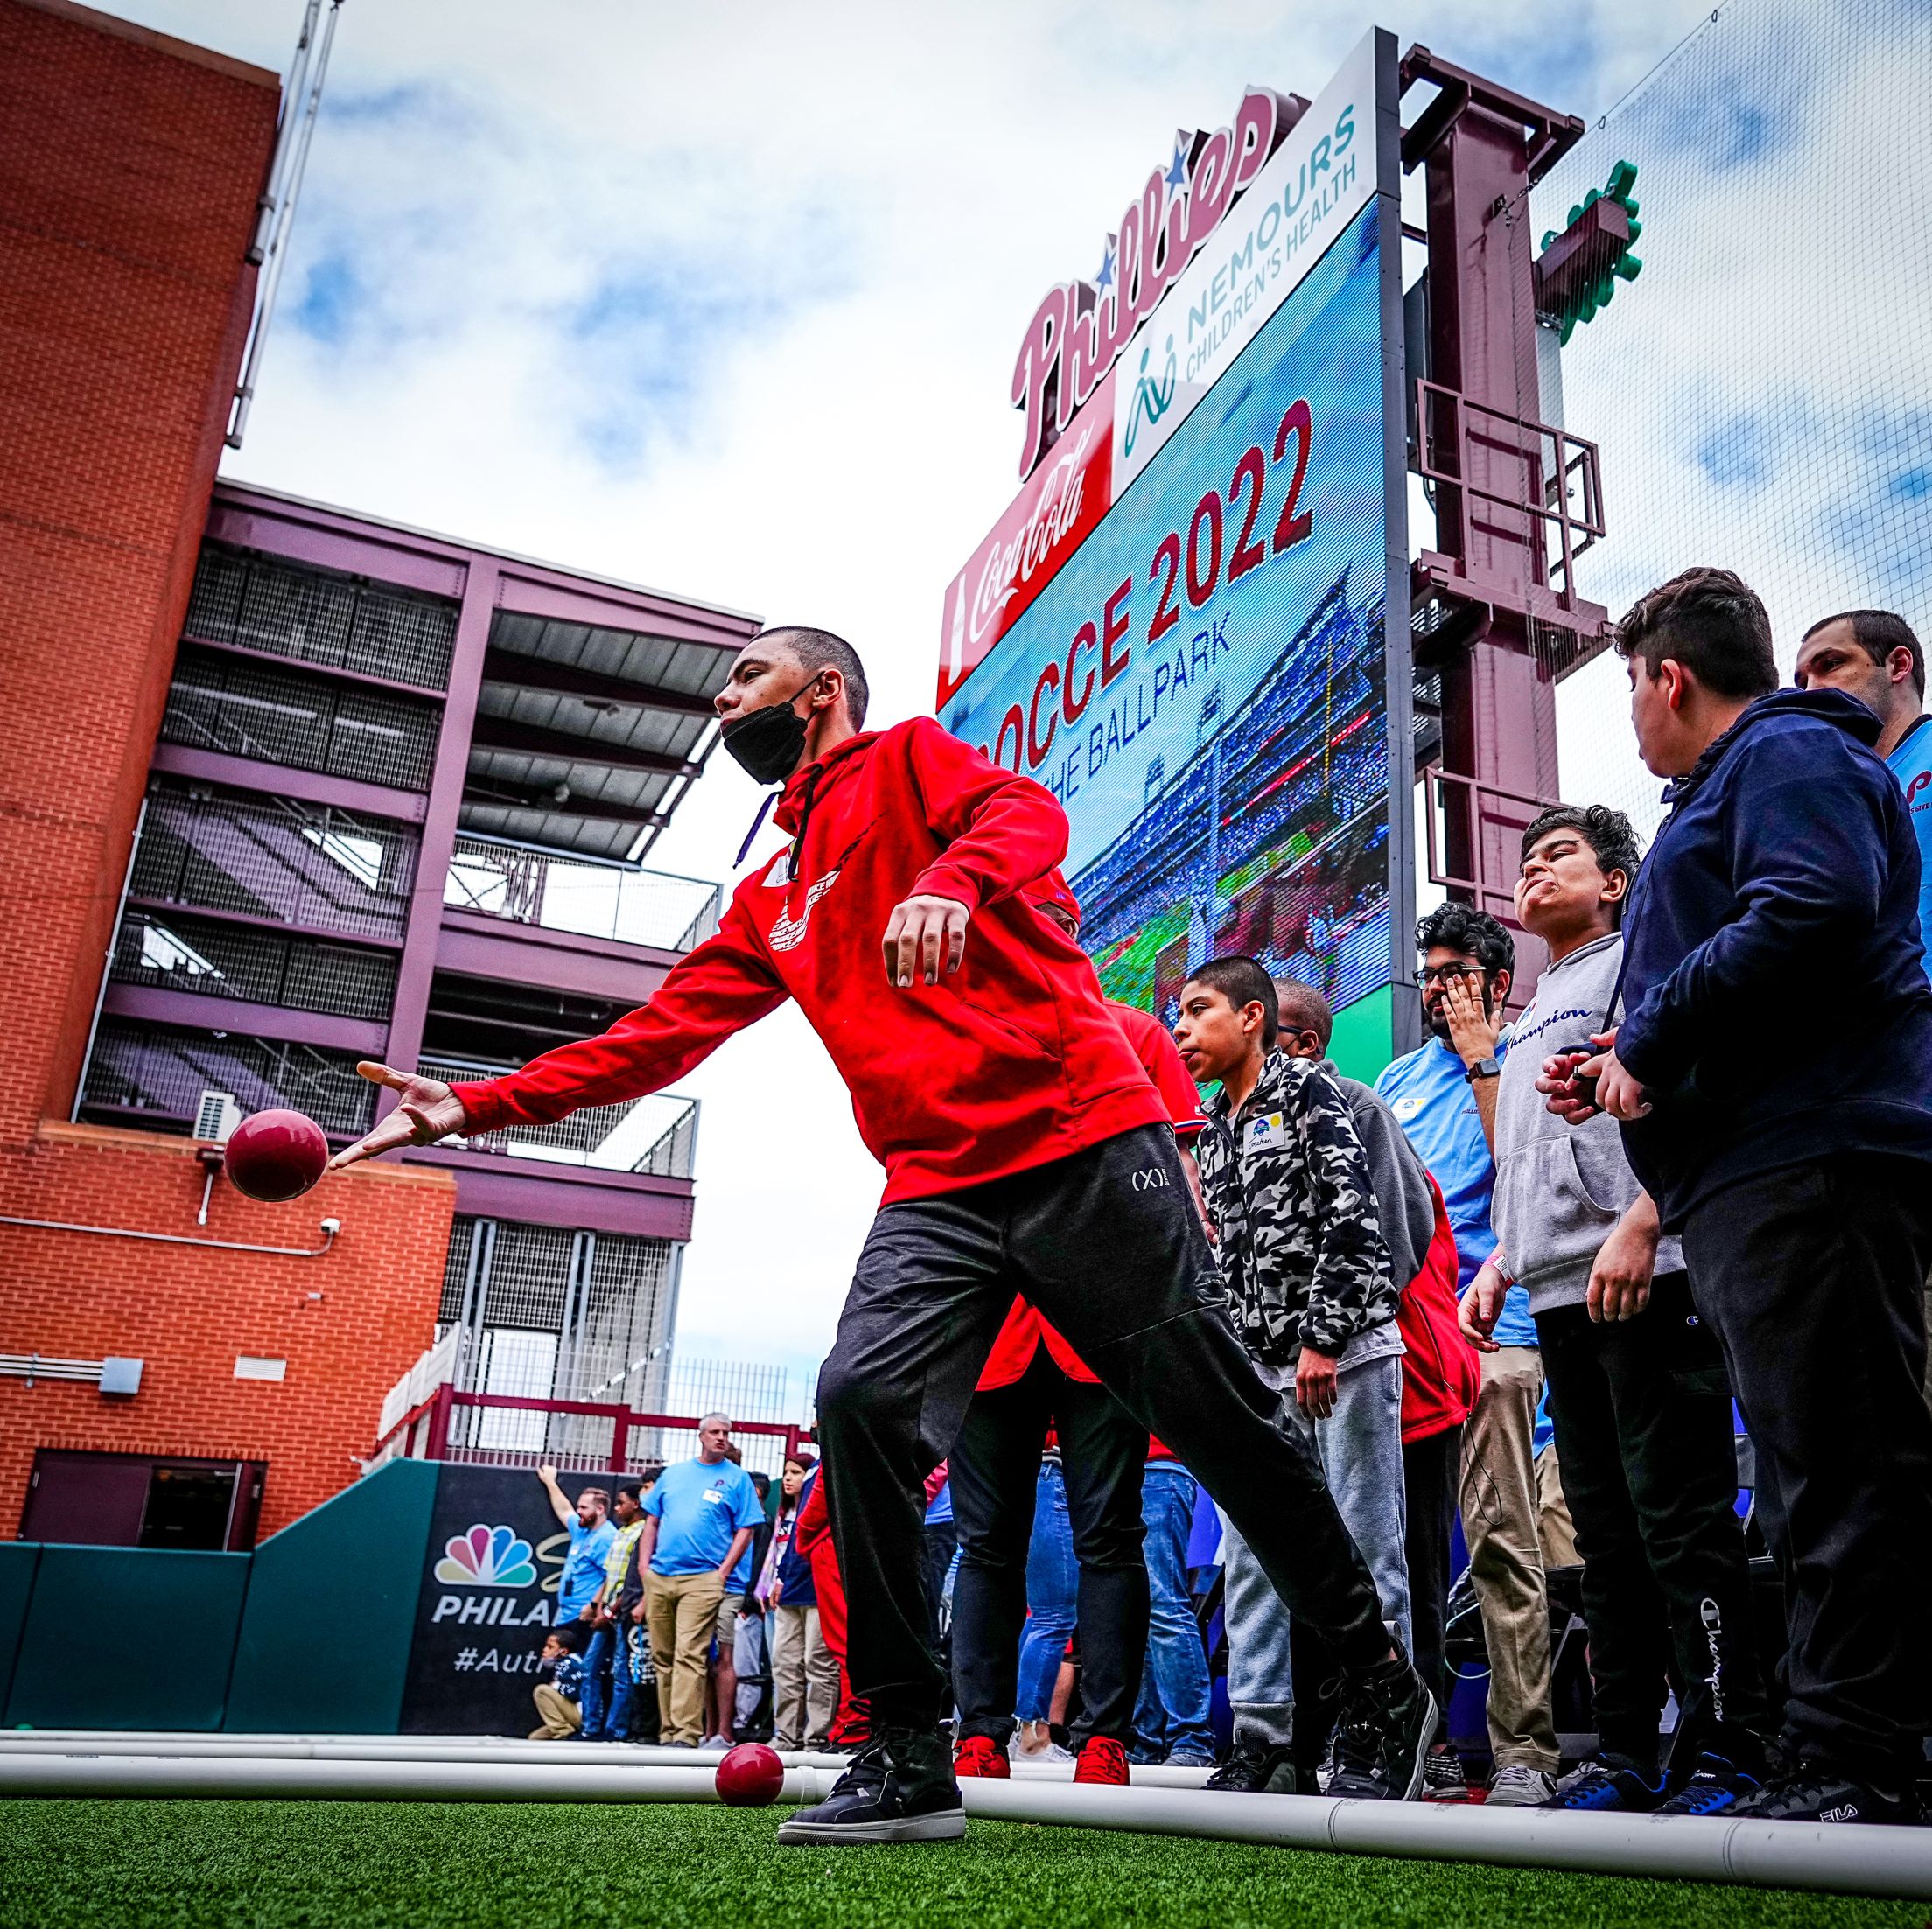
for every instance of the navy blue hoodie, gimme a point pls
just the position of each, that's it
(1776, 1003)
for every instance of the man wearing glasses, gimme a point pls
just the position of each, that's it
(1445, 1096)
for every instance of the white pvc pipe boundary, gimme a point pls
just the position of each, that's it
(1849, 1860)
(1845, 1859)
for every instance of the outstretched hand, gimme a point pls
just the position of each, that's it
(925, 938)
(427, 1110)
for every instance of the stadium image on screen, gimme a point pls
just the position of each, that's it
(1202, 682)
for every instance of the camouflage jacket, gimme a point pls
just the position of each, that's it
(1287, 1181)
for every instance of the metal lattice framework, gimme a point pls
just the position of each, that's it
(305, 723)
(274, 858)
(317, 617)
(240, 962)
(547, 1313)
(160, 1072)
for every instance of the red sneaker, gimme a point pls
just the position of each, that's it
(1101, 1759)
(980, 1755)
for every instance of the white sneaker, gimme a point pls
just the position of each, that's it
(1520, 1786)
(1052, 1753)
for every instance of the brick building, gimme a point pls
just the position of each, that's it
(283, 787)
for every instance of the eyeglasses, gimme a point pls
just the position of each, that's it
(1443, 973)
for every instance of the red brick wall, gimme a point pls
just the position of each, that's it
(130, 167)
(129, 174)
(187, 1311)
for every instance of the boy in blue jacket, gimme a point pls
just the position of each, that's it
(1773, 1074)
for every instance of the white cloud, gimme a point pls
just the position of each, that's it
(725, 299)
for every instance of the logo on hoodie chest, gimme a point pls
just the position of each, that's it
(788, 932)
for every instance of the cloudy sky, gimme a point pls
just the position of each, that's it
(725, 299)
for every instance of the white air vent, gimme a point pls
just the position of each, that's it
(216, 1114)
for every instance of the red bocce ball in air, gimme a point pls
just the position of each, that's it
(275, 1155)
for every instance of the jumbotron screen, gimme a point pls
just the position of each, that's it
(1201, 682)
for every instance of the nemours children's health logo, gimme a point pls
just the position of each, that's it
(486, 1557)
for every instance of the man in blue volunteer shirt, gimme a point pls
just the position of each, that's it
(591, 1532)
(700, 1519)
(1794, 1156)
(1874, 656)
(1445, 1096)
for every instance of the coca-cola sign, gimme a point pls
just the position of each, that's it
(1047, 520)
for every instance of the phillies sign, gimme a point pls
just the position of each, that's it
(1082, 328)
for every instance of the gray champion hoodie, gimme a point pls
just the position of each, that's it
(1560, 1188)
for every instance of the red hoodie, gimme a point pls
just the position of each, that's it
(1011, 1062)
(1441, 1375)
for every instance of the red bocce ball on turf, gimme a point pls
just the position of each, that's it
(750, 1777)
(275, 1155)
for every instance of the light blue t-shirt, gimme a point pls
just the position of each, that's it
(698, 1509)
(583, 1566)
(939, 1509)
(1431, 1096)
(1911, 762)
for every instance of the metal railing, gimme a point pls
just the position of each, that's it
(500, 1430)
(524, 885)
(657, 1134)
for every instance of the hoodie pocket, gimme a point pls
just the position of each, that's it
(1546, 1217)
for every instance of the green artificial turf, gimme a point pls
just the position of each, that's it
(418, 1865)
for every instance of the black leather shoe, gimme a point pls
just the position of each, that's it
(900, 1788)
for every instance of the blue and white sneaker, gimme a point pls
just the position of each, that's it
(1716, 1787)
(1611, 1784)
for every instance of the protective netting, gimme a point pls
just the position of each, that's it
(1761, 393)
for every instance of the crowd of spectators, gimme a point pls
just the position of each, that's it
(1515, 1287)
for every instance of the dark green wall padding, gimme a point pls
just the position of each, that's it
(324, 1640)
(18, 1561)
(308, 1634)
(127, 1638)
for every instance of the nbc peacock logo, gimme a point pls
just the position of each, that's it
(486, 1557)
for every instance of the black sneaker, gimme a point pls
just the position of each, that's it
(1381, 1746)
(1612, 1785)
(1256, 1771)
(1815, 1791)
(1444, 1779)
(1716, 1787)
(900, 1788)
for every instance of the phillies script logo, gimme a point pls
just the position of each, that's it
(1047, 522)
(1082, 328)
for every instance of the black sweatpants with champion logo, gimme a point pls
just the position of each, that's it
(1108, 1245)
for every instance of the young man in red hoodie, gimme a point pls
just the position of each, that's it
(1026, 1151)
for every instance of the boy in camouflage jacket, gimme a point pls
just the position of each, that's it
(1311, 1294)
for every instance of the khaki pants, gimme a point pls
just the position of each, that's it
(681, 1610)
(1556, 1531)
(804, 1680)
(562, 1716)
(1500, 1512)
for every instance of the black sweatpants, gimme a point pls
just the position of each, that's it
(1108, 1244)
(1431, 1468)
(1642, 1413)
(995, 1479)
(1813, 1277)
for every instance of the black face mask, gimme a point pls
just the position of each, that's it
(766, 744)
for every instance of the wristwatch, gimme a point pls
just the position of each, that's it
(1483, 1068)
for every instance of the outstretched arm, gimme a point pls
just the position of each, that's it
(724, 985)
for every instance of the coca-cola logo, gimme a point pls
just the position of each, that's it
(1010, 564)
